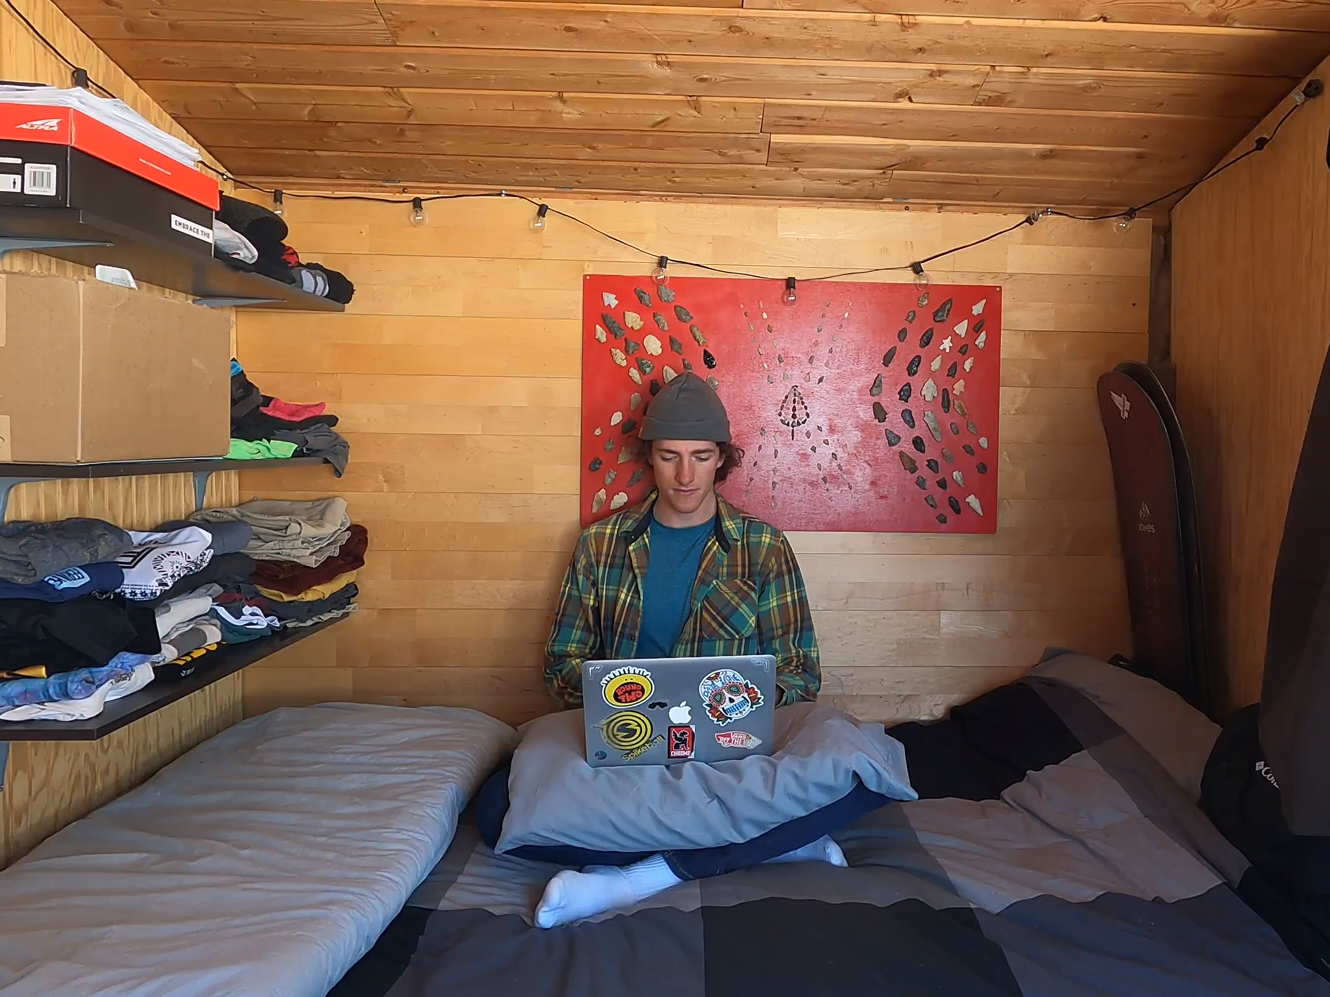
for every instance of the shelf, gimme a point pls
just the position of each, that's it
(82, 237)
(160, 693)
(202, 468)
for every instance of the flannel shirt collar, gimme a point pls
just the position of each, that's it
(729, 525)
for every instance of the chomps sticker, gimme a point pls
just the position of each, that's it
(626, 686)
(736, 739)
(681, 742)
(728, 696)
(626, 731)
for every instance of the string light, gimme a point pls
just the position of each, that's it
(789, 297)
(417, 211)
(1122, 219)
(1311, 90)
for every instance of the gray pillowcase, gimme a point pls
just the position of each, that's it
(1179, 736)
(820, 754)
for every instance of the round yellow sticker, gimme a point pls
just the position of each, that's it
(626, 731)
(626, 687)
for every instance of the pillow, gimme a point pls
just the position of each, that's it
(1178, 735)
(820, 754)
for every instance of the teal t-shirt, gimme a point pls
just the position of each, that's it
(672, 563)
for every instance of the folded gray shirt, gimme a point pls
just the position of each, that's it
(31, 551)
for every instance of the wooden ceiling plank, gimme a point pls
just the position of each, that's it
(734, 181)
(853, 37)
(1306, 15)
(979, 158)
(471, 69)
(311, 22)
(475, 69)
(993, 123)
(743, 181)
(500, 143)
(512, 109)
(1242, 97)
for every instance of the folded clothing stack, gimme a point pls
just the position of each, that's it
(71, 639)
(263, 427)
(254, 238)
(306, 555)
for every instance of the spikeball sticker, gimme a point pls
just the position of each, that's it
(626, 687)
(626, 731)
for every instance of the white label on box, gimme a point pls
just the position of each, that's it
(116, 275)
(10, 183)
(200, 232)
(39, 178)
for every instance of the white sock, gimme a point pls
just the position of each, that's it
(571, 896)
(821, 850)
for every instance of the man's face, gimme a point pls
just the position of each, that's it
(685, 472)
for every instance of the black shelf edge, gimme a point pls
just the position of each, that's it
(153, 260)
(130, 468)
(160, 693)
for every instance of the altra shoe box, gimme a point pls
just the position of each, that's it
(57, 157)
(90, 372)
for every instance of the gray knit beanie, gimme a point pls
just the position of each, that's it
(686, 409)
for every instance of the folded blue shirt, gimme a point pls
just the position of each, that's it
(68, 584)
(78, 684)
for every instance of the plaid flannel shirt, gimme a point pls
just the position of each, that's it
(748, 598)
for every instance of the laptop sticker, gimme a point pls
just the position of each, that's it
(626, 731)
(626, 687)
(628, 756)
(681, 742)
(728, 696)
(736, 739)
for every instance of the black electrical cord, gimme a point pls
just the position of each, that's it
(51, 47)
(1312, 90)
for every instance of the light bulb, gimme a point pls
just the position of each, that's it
(921, 280)
(789, 296)
(538, 220)
(417, 211)
(659, 275)
(277, 208)
(1123, 224)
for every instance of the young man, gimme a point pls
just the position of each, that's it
(684, 574)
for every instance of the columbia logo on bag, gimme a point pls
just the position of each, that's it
(1264, 769)
(41, 125)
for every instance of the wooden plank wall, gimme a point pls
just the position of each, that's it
(1251, 323)
(48, 784)
(456, 376)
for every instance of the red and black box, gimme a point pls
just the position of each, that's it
(60, 157)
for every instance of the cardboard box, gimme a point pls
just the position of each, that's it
(90, 372)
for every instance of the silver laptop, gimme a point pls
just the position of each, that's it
(659, 711)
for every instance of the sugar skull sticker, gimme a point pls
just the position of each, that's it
(728, 696)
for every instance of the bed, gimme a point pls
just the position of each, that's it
(1056, 850)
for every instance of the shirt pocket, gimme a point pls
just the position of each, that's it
(729, 610)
